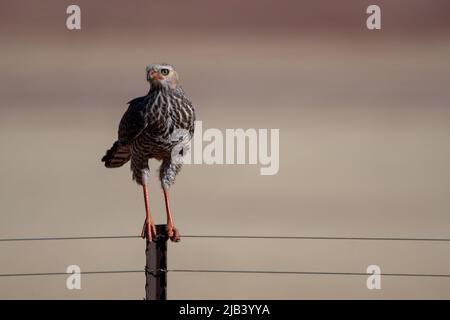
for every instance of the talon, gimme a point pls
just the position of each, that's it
(148, 231)
(174, 234)
(143, 232)
(153, 227)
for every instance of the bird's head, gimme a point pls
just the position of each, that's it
(162, 75)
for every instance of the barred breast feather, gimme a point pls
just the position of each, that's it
(146, 129)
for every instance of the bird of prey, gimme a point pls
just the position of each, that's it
(153, 127)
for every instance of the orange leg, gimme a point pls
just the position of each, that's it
(149, 228)
(173, 232)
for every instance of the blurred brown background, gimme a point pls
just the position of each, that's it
(364, 123)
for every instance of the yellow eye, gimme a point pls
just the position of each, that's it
(165, 72)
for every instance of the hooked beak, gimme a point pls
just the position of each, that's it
(154, 75)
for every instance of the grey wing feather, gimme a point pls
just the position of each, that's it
(134, 120)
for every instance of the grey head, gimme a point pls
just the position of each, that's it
(162, 75)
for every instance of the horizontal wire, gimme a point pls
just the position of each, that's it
(67, 238)
(235, 237)
(313, 273)
(429, 275)
(321, 238)
(66, 273)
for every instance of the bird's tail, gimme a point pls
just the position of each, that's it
(117, 156)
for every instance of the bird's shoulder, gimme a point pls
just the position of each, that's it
(138, 101)
(134, 120)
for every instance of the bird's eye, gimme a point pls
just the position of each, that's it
(165, 72)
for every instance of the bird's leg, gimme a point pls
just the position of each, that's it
(149, 228)
(173, 232)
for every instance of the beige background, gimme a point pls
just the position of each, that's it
(364, 122)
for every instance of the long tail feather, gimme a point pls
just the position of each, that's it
(117, 156)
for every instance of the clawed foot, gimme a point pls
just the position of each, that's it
(173, 233)
(148, 231)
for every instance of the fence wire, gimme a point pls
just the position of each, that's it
(235, 237)
(266, 272)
